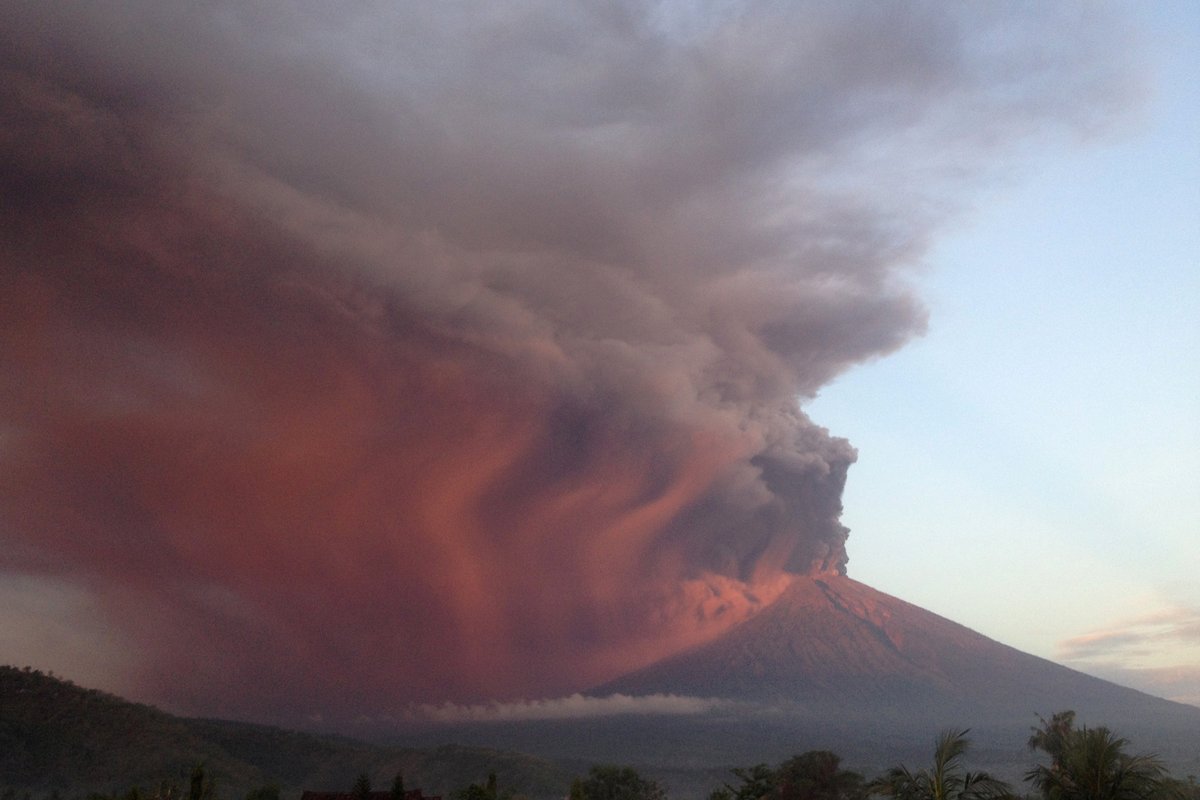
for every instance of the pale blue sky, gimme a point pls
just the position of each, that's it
(1029, 467)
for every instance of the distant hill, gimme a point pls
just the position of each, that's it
(56, 736)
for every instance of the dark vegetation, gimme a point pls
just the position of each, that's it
(58, 740)
(62, 742)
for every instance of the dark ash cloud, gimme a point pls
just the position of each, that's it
(425, 352)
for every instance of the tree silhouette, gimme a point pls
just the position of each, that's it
(1051, 738)
(1091, 764)
(200, 787)
(486, 791)
(817, 775)
(609, 782)
(756, 782)
(362, 788)
(945, 780)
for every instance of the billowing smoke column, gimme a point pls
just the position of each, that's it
(426, 351)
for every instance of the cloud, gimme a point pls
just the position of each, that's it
(1138, 638)
(576, 706)
(1156, 653)
(423, 352)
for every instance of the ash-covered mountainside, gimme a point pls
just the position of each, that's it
(832, 644)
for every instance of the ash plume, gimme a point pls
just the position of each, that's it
(443, 352)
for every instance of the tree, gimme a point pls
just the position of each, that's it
(200, 786)
(946, 780)
(817, 775)
(756, 782)
(485, 791)
(1182, 789)
(1052, 736)
(1091, 764)
(608, 782)
(398, 792)
(362, 787)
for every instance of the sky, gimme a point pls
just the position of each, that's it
(1054, 403)
(517, 346)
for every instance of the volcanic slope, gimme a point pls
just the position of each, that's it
(832, 645)
(834, 664)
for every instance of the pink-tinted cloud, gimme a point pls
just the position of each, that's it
(1136, 637)
(414, 352)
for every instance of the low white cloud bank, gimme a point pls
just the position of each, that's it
(572, 707)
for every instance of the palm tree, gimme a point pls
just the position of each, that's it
(1090, 764)
(1053, 735)
(947, 780)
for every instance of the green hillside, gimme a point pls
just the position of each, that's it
(58, 737)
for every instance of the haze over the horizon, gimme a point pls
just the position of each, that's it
(445, 352)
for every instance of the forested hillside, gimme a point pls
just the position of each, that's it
(58, 737)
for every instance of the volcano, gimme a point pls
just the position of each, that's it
(833, 645)
(835, 664)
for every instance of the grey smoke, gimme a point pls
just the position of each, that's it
(499, 311)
